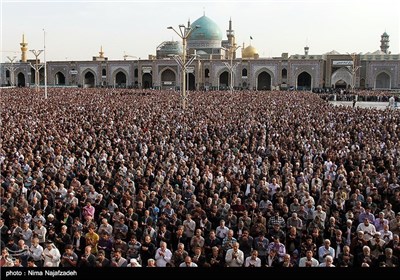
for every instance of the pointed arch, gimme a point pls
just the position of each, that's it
(88, 79)
(223, 80)
(168, 78)
(264, 81)
(304, 81)
(284, 73)
(342, 77)
(59, 78)
(120, 78)
(383, 80)
(21, 80)
(147, 80)
(207, 73)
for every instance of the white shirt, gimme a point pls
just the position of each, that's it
(162, 260)
(51, 257)
(250, 262)
(231, 261)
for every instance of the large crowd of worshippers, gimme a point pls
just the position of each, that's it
(127, 178)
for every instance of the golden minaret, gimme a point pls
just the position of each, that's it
(101, 52)
(24, 49)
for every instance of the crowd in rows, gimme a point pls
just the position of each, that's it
(99, 177)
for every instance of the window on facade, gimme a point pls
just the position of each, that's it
(284, 73)
(207, 73)
(244, 72)
(104, 72)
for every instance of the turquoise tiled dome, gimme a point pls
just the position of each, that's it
(208, 30)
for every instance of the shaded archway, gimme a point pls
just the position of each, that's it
(147, 80)
(284, 73)
(224, 80)
(207, 73)
(33, 77)
(120, 80)
(8, 78)
(362, 83)
(304, 81)
(41, 76)
(21, 80)
(168, 79)
(264, 81)
(382, 81)
(89, 80)
(341, 84)
(191, 81)
(342, 78)
(59, 78)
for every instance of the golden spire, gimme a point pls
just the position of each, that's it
(24, 49)
(101, 52)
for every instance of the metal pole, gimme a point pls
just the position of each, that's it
(45, 67)
(37, 75)
(183, 34)
(231, 55)
(36, 54)
(12, 69)
(183, 72)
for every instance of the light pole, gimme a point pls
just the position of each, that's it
(36, 53)
(353, 70)
(11, 69)
(184, 33)
(230, 66)
(137, 60)
(45, 67)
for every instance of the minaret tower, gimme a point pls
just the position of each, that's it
(385, 43)
(306, 48)
(101, 53)
(231, 40)
(24, 49)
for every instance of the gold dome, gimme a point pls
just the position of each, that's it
(249, 52)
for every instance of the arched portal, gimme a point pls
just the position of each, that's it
(147, 80)
(89, 80)
(304, 81)
(341, 84)
(59, 78)
(342, 78)
(284, 73)
(41, 76)
(224, 80)
(362, 83)
(120, 80)
(33, 77)
(207, 73)
(168, 79)
(8, 78)
(191, 82)
(382, 81)
(21, 80)
(264, 81)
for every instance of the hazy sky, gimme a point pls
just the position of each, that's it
(75, 30)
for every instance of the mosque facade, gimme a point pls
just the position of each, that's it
(215, 67)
